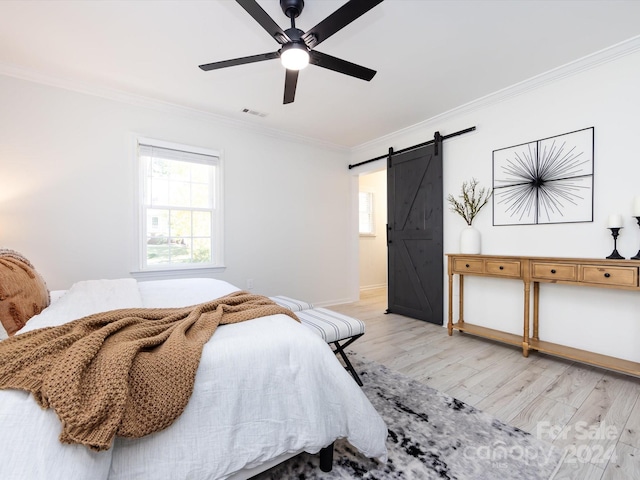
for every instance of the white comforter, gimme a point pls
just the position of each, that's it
(264, 388)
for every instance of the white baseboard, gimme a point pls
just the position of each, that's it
(349, 300)
(334, 302)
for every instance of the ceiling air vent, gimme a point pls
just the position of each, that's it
(253, 112)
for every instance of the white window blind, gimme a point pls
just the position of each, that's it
(366, 213)
(180, 211)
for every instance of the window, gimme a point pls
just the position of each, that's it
(365, 202)
(180, 214)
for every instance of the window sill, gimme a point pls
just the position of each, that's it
(160, 274)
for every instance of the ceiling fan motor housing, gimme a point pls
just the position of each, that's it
(295, 35)
(292, 8)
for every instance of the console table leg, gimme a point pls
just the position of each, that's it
(525, 336)
(461, 300)
(536, 301)
(450, 320)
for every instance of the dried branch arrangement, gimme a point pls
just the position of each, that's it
(472, 199)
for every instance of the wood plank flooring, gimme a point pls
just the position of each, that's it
(594, 414)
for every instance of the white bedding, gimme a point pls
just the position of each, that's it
(264, 388)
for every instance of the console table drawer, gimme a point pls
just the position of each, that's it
(507, 269)
(553, 271)
(468, 265)
(618, 276)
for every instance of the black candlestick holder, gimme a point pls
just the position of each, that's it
(637, 255)
(615, 255)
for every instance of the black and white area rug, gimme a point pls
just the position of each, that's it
(431, 436)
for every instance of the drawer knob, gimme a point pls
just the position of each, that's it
(501, 267)
(467, 265)
(607, 275)
(553, 270)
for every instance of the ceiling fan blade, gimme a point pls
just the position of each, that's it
(341, 66)
(265, 21)
(290, 83)
(239, 61)
(338, 20)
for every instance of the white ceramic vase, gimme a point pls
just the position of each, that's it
(470, 240)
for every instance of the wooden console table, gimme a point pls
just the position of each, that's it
(617, 274)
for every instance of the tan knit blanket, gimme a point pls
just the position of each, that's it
(127, 372)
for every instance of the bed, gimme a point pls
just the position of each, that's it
(265, 390)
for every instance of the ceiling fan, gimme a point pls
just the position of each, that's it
(297, 49)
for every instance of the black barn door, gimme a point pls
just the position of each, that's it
(414, 193)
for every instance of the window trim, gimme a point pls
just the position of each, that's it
(139, 270)
(372, 211)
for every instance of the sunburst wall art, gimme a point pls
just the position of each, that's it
(545, 181)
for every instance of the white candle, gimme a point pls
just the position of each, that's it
(635, 211)
(615, 221)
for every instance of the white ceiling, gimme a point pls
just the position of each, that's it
(431, 56)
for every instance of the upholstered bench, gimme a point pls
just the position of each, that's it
(291, 303)
(333, 327)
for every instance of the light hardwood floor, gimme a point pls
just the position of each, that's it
(594, 414)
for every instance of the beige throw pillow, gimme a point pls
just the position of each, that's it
(23, 292)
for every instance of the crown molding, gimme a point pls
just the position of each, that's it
(575, 67)
(85, 88)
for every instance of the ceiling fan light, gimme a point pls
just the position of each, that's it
(294, 56)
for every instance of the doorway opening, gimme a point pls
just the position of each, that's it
(372, 236)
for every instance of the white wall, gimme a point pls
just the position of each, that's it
(67, 192)
(605, 96)
(373, 249)
(66, 195)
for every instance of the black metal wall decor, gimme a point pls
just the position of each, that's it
(545, 181)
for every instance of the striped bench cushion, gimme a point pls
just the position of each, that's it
(331, 326)
(291, 303)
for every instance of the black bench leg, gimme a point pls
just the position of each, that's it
(352, 371)
(326, 458)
